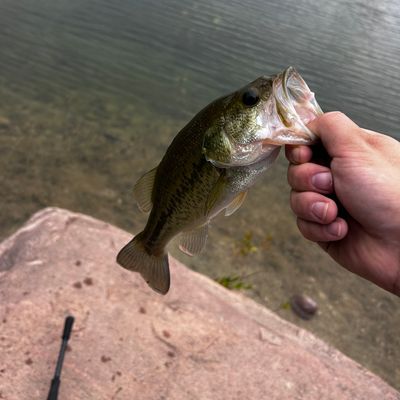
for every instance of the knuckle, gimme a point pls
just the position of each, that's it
(381, 141)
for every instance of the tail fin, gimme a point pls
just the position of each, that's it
(154, 270)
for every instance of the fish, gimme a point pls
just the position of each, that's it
(211, 164)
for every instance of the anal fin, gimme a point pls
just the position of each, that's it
(192, 242)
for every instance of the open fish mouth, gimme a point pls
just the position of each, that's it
(281, 119)
(295, 106)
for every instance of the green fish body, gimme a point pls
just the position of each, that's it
(211, 164)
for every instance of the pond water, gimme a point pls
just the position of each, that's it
(91, 94)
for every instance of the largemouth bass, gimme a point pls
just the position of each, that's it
(211, 164)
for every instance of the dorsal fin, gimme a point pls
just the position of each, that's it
(235, 204)
(192, 242)
(143, 189)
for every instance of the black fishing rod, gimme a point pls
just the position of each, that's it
(55, 382)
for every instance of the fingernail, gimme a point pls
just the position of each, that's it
(322, 181)
(319, 209)
(334, 229)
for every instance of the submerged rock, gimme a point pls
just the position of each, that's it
(200, 341)
(303, 306)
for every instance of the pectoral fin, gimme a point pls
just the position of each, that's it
(143, 189)
(192, 242)
(235, 204)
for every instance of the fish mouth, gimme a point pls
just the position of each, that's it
(295, 106)
(283, 120)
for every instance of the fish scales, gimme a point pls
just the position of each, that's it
(211, 164)
(182, 184)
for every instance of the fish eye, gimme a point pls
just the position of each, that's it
(251, 97)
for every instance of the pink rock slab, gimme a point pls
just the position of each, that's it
(201, 341)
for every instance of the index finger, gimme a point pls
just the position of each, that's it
(298, 154)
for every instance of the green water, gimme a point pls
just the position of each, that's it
(91, 94)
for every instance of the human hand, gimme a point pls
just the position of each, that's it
(363, 176)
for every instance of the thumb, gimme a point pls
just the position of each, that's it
(338, 133)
